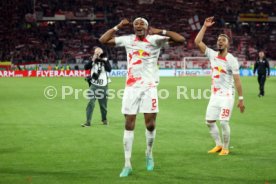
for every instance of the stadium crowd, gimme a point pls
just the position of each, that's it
(25, 40)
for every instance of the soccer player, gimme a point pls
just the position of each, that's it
(140, 95)
(225, 72)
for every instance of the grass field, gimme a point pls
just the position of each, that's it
(41, 141)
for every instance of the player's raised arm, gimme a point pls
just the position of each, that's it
(239, 90)
(198, 40)
(172, 35)
(108, 37)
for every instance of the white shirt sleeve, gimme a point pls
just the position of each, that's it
(235, 66)
(161, 41)
(121, 41)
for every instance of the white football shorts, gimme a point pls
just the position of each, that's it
(140, 100)
(220, 108)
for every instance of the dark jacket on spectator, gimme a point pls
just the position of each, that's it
(262, 66)
(89, 65)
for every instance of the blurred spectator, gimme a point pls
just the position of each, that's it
(24, 41)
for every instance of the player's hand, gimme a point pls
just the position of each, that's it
(241, 106)
(123, 23)
(153, 30)
(209, 21)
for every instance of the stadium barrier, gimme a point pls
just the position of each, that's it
(168, 72)
(187, 72)
(116, 73)
(44, 73)
(249, 72)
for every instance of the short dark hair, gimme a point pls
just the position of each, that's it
(226, 36)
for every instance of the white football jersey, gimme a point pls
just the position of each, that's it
(222, 72)
(142, 57)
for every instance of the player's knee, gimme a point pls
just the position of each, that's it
(210, 122)
(129, 125)
(224, 123)
(130, 122)
(150, 127)
(150, 123)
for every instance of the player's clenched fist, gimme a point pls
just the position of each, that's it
(123, 23)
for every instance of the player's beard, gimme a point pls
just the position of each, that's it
(221, 48)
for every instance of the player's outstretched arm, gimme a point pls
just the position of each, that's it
(108, 37)
(239, 90)
(198, 40)
(175, 37)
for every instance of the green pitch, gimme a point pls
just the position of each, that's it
(41, 140)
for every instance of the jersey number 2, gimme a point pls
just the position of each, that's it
(153, 103)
